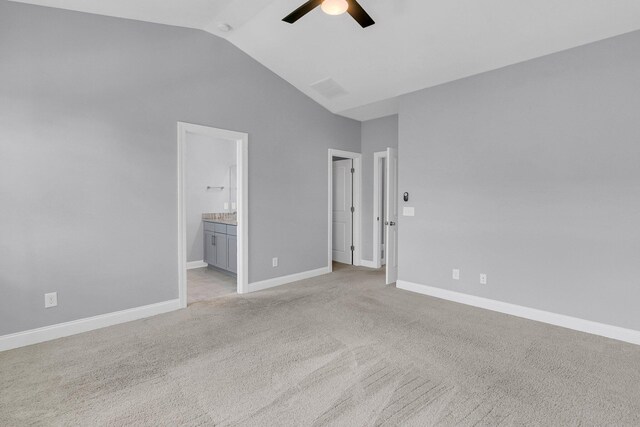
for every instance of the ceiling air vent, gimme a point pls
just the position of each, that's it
(329, 88)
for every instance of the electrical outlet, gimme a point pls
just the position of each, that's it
(483, 279)
(226, 206)
(456, 274)
(50, 300)
(274, 262)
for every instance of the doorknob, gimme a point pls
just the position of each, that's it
(392, 223)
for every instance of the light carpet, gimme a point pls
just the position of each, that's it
(340, 349)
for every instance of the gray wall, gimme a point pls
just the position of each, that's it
(88, 112)
(377, 135)
(208, 164)
(530, 174)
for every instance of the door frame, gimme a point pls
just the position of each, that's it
(357, 203)
(242, 175)
(392, 214)
(377, 233)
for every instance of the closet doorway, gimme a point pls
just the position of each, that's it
(385, 212)
(344, 239)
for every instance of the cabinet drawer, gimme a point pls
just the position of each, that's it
(214, 227)
(220, 228)
(232, 230)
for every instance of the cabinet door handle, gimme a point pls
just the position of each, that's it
(213, 240)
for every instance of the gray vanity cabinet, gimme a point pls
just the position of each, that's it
(209, 248)
(232, 245)
(220, 246)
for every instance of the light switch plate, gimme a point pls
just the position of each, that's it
(408, 211)
(455, 274)
(226, 206)
(274, 262)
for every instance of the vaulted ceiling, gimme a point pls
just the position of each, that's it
(414, 44)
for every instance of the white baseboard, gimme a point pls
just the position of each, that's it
(196, 264)
(278, 281)
(367, 263)
(588, 326)
(47, 333)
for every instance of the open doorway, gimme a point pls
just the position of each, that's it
(344, 215)
(212, 223)
(385, 212)
(379, 208)
(343, 210)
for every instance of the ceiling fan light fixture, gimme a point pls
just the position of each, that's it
(334, 7)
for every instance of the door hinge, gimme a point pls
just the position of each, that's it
(353, 209)
(353, 248)
(353, 170)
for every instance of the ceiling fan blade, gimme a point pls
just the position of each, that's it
(301, 11)
(359, 14)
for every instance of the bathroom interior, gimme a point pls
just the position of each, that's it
(211, 198)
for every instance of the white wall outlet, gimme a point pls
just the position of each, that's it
(274, 262)
(233, 205)
(50, 300)
(226, 206)
(483, 279)
(456, 274)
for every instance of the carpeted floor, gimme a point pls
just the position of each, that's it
(340, 349)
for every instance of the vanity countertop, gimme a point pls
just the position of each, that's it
(222, 221)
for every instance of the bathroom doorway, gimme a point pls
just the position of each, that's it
(212, 201)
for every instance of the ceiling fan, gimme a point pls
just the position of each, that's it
(333, 7)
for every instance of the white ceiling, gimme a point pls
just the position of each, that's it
(413, 45)
(182, 13)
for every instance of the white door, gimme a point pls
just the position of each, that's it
(342, 214)
(392, 215)
(383, 211)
